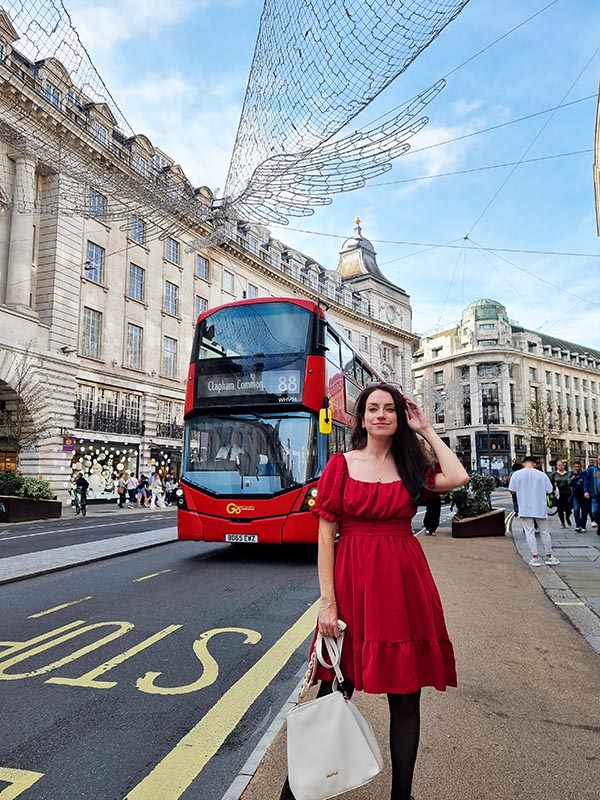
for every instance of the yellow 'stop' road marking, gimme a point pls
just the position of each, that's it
(154, 574)
(58, 608)
(179, 768)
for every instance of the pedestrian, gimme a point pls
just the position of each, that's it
(431, 520)
(515, 468)
(580, 503)
(591, 483)
(141, 491)
(122, 489)
(170, 484)
(132, 487)
(531, 486)
(157, 492)
(561, 481)
(376, 579)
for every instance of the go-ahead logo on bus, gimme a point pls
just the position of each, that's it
(233, 508)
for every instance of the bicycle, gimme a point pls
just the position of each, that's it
(79, 501)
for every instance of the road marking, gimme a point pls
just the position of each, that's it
(154, 575)
(579, 603)
(58, 608)
(19, 779)
(508, 520)
(179, 768)
(210, 668)
(88, 681)
(79, 529)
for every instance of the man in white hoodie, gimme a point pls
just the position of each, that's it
(531, 487)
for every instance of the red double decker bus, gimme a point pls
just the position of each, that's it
(271, 390)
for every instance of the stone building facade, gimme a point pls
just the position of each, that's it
(482, 377)
(97, 308)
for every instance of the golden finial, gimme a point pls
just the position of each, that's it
(357, 221)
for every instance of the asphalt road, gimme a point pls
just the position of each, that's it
(90, 717)
(31, 537)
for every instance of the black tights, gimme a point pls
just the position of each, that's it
(405, 725)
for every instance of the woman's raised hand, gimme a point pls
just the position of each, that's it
(415, 416)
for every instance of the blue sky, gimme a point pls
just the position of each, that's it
(178, 71)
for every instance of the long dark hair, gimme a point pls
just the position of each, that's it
(407, 450)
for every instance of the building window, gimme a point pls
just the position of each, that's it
(201, 305)
(533, 395)
(576, 384)
(465, 373)
(171, 298)
(567, 382)
(94, 264)
(228, 281)
(385, 354)
(100, 133)
(548, 379)
(202, 267)
(348, 334)
(364, 343)
(488, 370)
(557, 380)
(172, 250)
(140, 165)
(487, 326)
(91, 337)
(97, 205)
(252, 290)
(169, 365)
(137, 230)
(53, 95)
(466, 401)
(137, 279)
(438, 377)
(135, 346)
(439, 408)
(532, 374)
(159, 163)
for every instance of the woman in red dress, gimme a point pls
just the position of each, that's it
(377, 578)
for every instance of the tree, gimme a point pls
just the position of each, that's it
(544, 425)
(24, 417)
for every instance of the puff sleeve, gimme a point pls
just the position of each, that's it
(429, 489)
(330, 488)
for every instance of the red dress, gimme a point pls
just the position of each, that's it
(396, 641)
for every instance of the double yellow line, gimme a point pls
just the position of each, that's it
(179, 768)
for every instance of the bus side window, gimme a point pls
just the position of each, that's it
(359, 372)
(347, 360)
(336, 441)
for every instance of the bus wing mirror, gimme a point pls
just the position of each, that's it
(325, 421)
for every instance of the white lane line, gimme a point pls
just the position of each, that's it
(68, 530)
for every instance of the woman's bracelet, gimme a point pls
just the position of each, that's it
(327, 605)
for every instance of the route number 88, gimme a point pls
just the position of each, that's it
(288, 382)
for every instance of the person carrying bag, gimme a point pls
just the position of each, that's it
(331, 747)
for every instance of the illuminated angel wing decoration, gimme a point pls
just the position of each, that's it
(316, 65)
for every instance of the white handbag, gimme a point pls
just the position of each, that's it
(331, 747)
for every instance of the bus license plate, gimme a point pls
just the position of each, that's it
(241, 537)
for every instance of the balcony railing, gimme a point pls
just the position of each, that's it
(169, 430)
(111, 423)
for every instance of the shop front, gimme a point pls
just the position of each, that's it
(493, 455)
(102, 463)
(166, 460)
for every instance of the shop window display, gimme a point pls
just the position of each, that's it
(102, 464)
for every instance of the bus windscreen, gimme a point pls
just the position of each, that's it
(250, 454)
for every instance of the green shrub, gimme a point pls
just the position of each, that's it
(474, 498)
(28, 488)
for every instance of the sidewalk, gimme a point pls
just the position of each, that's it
(524, 721)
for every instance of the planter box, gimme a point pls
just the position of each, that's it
(490, 524)
(20, 509)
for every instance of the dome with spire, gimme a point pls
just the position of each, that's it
(358, 257)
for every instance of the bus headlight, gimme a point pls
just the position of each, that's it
(310, 499)
(180, 498)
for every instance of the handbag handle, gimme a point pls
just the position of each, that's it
(334, 649)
